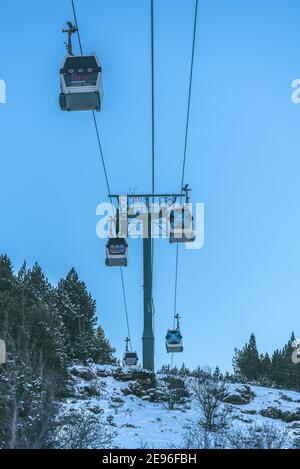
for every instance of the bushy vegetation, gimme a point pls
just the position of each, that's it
(277, 370)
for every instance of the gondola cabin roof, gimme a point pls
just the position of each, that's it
(117, 242)
(174, 333)
(130, 355)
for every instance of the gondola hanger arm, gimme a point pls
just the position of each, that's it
(70, 31)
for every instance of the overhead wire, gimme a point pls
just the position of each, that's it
(105, 175)
(152, 137)
(153, 144)
(187, 125)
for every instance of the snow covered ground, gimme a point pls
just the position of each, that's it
(139, 423)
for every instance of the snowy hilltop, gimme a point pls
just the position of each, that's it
(110, 406)
(61, 386)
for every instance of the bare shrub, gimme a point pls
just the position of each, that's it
(210, 395)
(265, 436)
(82, 430)
(196, 437)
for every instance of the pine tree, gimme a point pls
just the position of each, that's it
(184, 371)
(40, 324)
(7, 280)
(165, 370)
(217, 375)
(45, 326)
(246, 362)
(78, 310)
(35, 373)
(198, 372)
(265, 361)
(104, 351)
(283, 371)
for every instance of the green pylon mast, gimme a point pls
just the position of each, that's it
(148, 336)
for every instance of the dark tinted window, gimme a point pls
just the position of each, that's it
(81, 71)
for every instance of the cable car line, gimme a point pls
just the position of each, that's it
(153, 95)
(152, 113)
(93, 112)
(126, 310)
(152, 131)
(105, 175)
(190, 95)
(76, 24)
(185, 154)
(77, 98)
(101, 154)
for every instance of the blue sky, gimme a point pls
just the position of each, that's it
(243, 161)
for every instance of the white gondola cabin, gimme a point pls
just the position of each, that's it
(174, 342)
(116, 252)
(81, 83)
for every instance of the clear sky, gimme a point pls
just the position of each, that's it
(243, 161)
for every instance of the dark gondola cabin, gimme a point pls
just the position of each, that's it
(81, 83)
(116, 252)
(181, 225)
(130, 359)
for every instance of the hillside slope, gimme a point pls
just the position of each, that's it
(134, 404)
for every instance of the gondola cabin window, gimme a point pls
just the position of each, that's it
(81, 71)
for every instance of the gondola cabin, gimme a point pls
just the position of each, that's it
(130, 359)
(116, 252)
(174, 342)
(81, 83)
(181, 225)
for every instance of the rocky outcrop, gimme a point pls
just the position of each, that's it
(241, 396)
(285, 416)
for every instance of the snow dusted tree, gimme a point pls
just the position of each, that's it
(283, 371)
(184, 371)
(7, 279)
(217, 375)
(43, 328)
(165, 370)
(78, 309)
(246, 362)
(104, 351)
(35, 370)
(266, 365)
